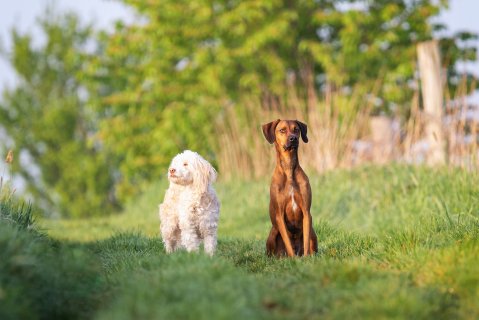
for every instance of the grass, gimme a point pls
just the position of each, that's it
(394, 242)
(39, 277)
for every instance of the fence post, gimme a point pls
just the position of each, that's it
(432, 95)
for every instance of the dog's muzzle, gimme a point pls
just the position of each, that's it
(292, 143)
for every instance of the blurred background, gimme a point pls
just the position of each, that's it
(98, 96)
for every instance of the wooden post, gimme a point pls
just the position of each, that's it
(431, 86)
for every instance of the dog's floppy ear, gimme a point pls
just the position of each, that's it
(268, 130)
(304, 130)
(203, 175)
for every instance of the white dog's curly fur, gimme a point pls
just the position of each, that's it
(190, 211)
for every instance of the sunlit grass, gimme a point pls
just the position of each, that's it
(394, 242)
(369, 200)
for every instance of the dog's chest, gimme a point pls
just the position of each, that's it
(291, 197)
(293, 212)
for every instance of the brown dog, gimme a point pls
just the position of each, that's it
(290, 193)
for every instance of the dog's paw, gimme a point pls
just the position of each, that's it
(169, 248)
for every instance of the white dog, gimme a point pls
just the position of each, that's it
(190, 211)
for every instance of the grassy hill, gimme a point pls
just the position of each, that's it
(395, 242)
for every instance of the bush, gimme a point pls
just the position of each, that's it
(40, 278)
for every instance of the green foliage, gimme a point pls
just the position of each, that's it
(50, 124)
(212, 289)
(14, 213)
(102, 124)
(153, 108)
(17, 214)
(387, 249)
(162, 83)
(368, 201)
(460, 47)
(40, 279)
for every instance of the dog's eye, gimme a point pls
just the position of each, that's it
(185, 164)
(282, 130)
(295, 130)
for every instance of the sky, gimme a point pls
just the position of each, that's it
(462, 15)
(22, 14)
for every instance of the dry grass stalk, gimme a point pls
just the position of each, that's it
(333, 132)
(6, 192)
(245, 153)
(9, 158)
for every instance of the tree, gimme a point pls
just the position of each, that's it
(156, 88)
(160, 84)
(51, 126)
(101, 124)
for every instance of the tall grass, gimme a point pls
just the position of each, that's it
(41, 278)
(462, 128)
(341, 134)
(245, 153)
(394, 242)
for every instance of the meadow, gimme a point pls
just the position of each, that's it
(394, 242)
(97, 114)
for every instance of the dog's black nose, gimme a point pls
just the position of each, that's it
(293, 138)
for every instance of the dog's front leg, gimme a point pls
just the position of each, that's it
(170, 240)
(305, 205)
(208, 231)
(306, 232)
(170, 232)
(190, 240)
(279, 217)
(271, 242)
(210, 244)
(284, 235)
(189, 235)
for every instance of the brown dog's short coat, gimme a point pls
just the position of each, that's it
(292, 232)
